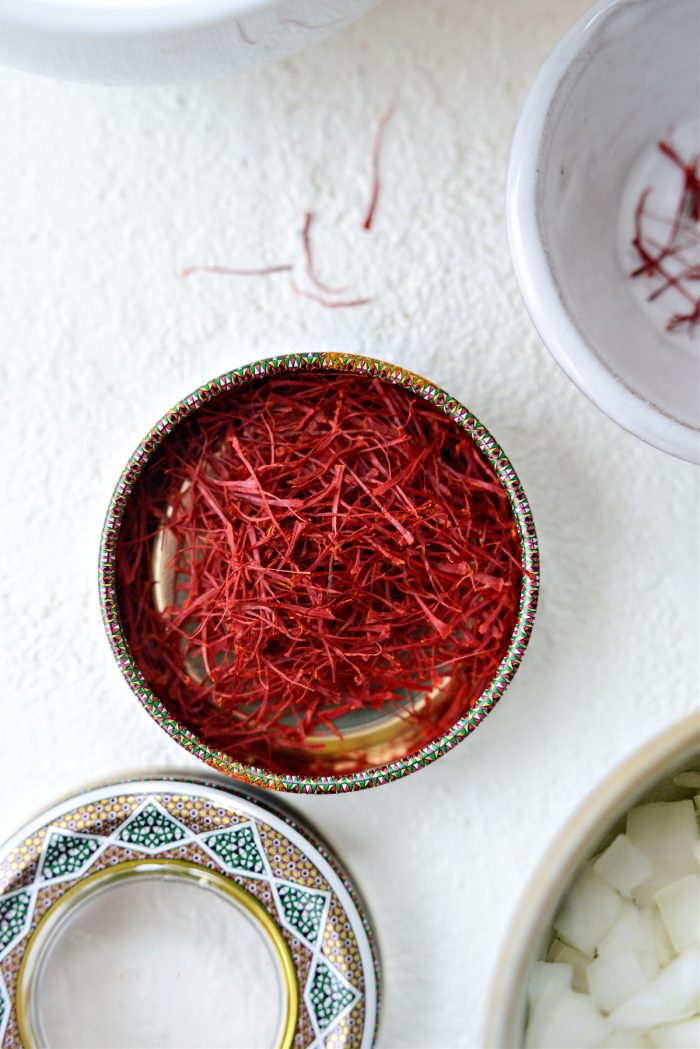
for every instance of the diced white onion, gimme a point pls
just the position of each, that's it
(565, 955)
(629, 932)
(685, 1035)
(623, 865)
(673, 995)
(627, 1040)
(618, 974)
(666, 831)
(546, 978)
(588, 912)
(624, 970)
(547, 982)
(572, 1020)
(662, 946)
(663, 829)
(679, 907)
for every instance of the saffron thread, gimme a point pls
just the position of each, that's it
(309, 259)
(331, 304)
(667, 262)
(376, 160)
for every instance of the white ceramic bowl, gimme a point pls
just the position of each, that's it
(626, 75)
(592, 827)
(154, 41)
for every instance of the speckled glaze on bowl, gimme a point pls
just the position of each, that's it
(591, 828)
(408, 762)
(625, 76)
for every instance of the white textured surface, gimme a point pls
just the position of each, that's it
(107, 195)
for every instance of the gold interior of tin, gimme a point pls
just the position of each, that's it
(381, 737)
(26, 1003)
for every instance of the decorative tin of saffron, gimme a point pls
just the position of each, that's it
(396, 738)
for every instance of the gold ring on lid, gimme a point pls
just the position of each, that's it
(50, 923)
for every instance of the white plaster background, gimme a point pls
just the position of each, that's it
(106, 194)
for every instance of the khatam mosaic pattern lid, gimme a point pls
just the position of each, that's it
(228, 841)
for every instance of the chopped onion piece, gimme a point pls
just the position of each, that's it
(624, 970)
(673, 995)
(662, 946)
(623, 865)
(546, 977)
(629, 932)
(565, 955)
(664, 874)
(627, 1040)
(679, 906)
(684, 1035)
(547, 982)
(573, 1021)
(618, 974)
(687, 779)
(664, 830)
(588, 912)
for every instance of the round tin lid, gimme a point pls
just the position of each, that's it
(173, 912)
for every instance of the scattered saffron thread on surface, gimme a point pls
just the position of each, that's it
(667, 261)
(309, 258)
(338, 545)
(230, 271)
(309, 264)
(376, 161)
(331, 304)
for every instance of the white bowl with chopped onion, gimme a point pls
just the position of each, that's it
(604, 952)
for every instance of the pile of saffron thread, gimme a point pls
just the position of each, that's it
(341, 545)
(674, 262)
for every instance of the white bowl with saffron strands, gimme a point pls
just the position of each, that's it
(319, 573)
(604, 214)
(618, 886)
(163, 41)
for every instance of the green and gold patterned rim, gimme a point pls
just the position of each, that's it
(257, 853)
(492, 452)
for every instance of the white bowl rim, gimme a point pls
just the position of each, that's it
(571, 847)
(107, 17)
(537, 284)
